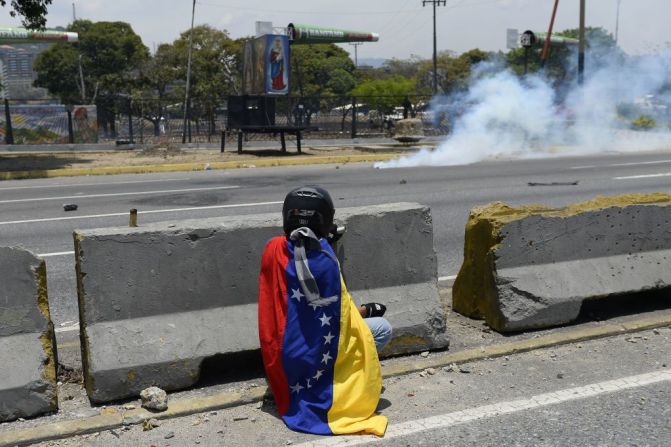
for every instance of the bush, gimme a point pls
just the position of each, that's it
(644, 123)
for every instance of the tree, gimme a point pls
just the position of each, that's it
(384, 94)
(407, 68)
(157, 74)
(58, 71)
(215, 68)
(103, 65)
(556, 65)
(601, 47)
(34, 12)
(323, 69)
(454, 72)
(559, 69)
(109, 52)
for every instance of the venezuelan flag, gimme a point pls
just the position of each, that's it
(319, 356)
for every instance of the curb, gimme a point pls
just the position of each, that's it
(145, 169)
(110, 418)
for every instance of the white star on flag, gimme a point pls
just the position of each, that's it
(319, 374)
(308, 383)
(328, 338)
(325, 358)
(296, 388)
(314, 306)
(297, 294)
(326, 321)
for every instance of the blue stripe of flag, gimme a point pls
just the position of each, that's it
(310, 344)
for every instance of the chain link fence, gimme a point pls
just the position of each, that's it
(125, 120)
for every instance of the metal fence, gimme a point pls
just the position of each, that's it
(161, 120)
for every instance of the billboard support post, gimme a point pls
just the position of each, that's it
(9, 133)
(353, 117)
(71, 132)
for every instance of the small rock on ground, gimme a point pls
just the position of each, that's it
(154, 398)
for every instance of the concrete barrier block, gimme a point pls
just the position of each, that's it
(533, 267)
(387, 256)
(27, 349)
(156, 300)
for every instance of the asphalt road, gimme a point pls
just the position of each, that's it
(33, 216)
(607, 392)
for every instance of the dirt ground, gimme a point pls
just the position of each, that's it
(16, 161)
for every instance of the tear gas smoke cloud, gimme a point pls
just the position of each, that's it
(504, 116)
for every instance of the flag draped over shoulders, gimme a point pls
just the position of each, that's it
(318, 352)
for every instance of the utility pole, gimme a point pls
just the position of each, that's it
(82, 87)
(581, 43)
(356, 60)
(81, 80)
(435, 54)
(188, 76)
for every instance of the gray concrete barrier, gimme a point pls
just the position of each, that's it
(533, 267)
(156, 300)
(27, 352)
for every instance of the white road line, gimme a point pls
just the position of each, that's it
(75, 185)
(174, 210)
(59, 253)
(447, 278)
(638, 163)
(137, 193)
(498, 409)
(630, 177)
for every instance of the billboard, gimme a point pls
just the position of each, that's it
(307, 34)
(265, 68)
(22, 35)
(530, 38)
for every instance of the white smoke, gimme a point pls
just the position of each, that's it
(503, 115)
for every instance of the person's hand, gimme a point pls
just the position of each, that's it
(363, 311)
(335, 233)
(373, 310)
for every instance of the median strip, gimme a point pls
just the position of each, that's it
(196, 166)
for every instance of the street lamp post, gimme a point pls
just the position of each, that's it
(188, 76)
(434, 3)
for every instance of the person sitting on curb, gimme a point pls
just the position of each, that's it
(319, 353)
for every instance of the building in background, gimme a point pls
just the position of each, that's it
(17, 75)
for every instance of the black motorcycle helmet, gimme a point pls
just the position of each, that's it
(308, 206)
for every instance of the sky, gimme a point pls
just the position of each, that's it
(404, 26)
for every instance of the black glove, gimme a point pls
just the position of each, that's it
(374, 310)
(335, 233)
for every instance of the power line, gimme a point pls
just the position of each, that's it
(305, 12)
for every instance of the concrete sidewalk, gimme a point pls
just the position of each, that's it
(222, 387)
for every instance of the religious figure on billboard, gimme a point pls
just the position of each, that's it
(277, 65)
